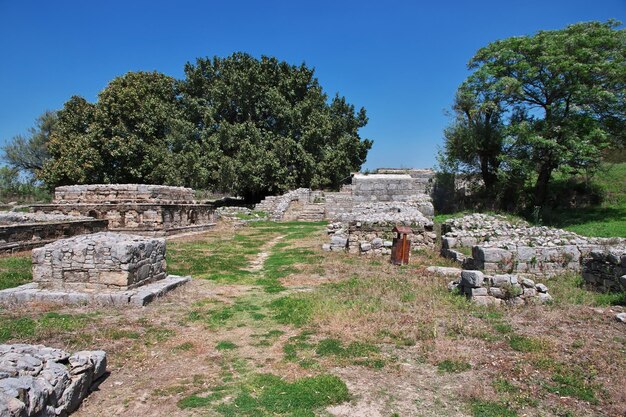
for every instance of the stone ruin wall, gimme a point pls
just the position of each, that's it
(499, 246)
(605, 270)
(506, 289)
(99, 261)
(106, 268)
(122, 193)
(25, 231)
(376, 238)
(146, 209)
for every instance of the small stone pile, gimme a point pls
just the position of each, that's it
(39, 381)
(499, 289)
(605, 270)
(234, 213)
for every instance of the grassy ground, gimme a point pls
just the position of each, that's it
(272, 326)
(606, 220)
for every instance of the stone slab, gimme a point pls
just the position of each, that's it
(133, 298)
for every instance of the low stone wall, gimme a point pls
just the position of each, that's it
(499, 289)
(545, 261)
(39, 381)
(375, 238)
(605, 270)
(385, 187)
(146, 219)
(24, 231)
(99, 261)
(500, 246)
(122, 193)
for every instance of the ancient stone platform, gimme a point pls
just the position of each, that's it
(99, 261)
(137, 297)
(39, 381)
(152, 210)
(103, 268)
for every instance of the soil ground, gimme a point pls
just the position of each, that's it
(265, 300)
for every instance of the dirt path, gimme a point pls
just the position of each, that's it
(257, 263)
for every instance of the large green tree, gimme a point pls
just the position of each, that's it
(267, 126)
(243, 125)
(134, 133)
(563, 93)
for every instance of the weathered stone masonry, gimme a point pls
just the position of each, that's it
(39, 381)
(100, 261)
(152, 210)
(605, 270)
(102, 268)
(24, 231)
(499, 246)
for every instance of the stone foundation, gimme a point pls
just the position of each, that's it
(150, 210)
(499, 289)
(38, 381)
(499, 246)
(605, 270)
(99, 261)
(376, 238)
(103, 268)
(24, 231)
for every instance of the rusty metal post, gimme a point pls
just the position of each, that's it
(401, 246)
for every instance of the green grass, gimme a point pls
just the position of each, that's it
(570, 288)
(605, 220)
(270, 395)
(355, 353)
(482, 408)
(296, 310)
(225, 345)
(14, 271)
(526, 344)
(226, 260)
(453, 366)
(20, 328)
(573, 382)
(216, 315)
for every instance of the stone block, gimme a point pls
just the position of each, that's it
(477, 292)
(472, 279)
(101, 260)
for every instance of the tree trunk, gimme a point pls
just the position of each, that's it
(541, 187)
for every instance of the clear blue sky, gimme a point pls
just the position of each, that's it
(401, 60)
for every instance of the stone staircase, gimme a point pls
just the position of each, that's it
(312, 212)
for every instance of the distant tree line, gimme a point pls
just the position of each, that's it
(241, 125)
(539, 107)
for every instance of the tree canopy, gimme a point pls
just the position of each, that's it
(247, 126)
(560, 95)
(28, 153)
